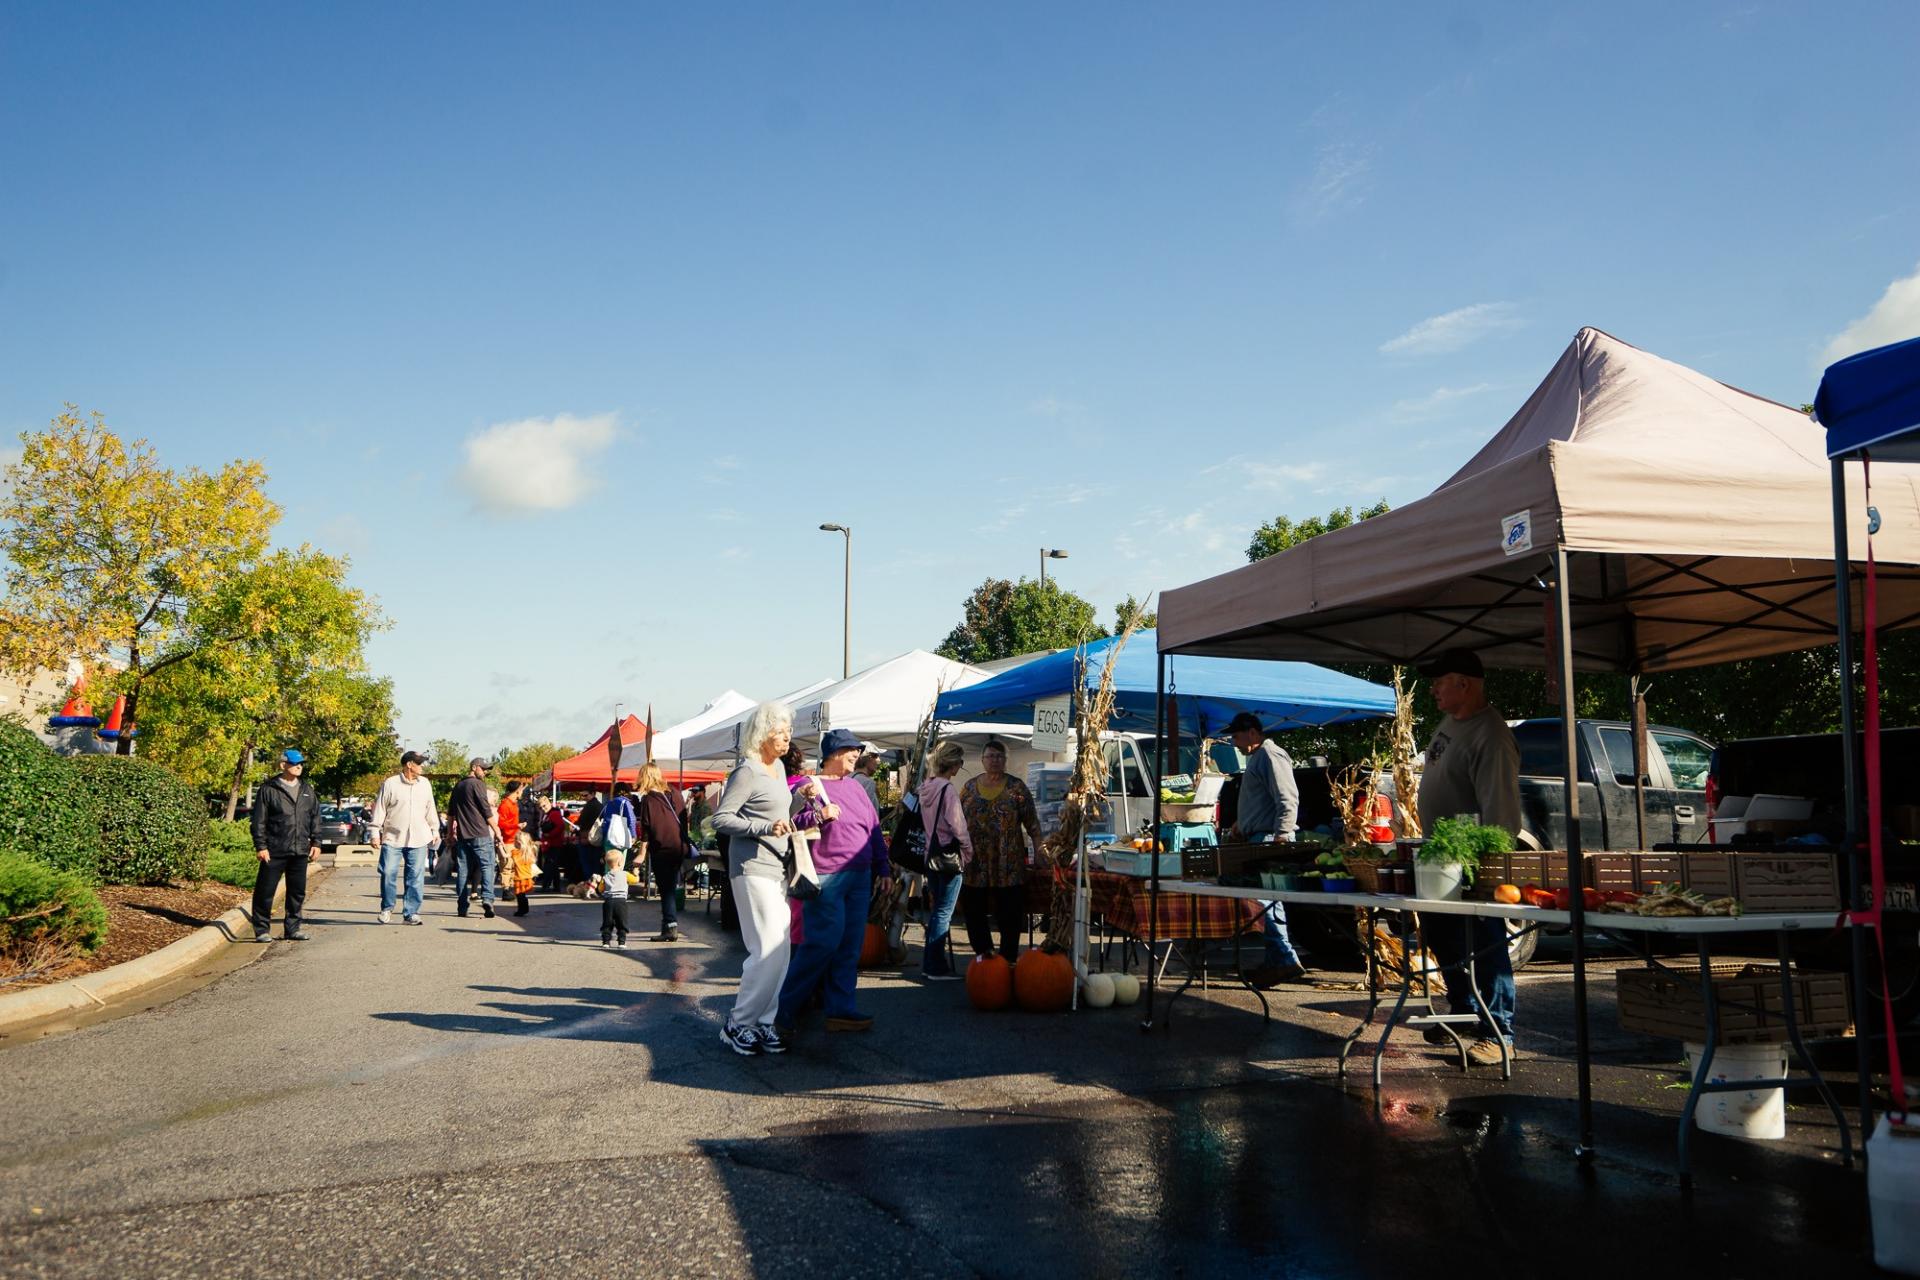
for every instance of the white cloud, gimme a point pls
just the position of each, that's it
(537, 464)
(1437, 335)
(1281, 475)
(1435, 402)
(1056, 408)
(1895, 318)
(1339, 179)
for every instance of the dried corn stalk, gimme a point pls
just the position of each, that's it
(1354, 789)
(1406, 790)
(1086, 792)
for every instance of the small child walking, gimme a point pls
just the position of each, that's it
(613, 901)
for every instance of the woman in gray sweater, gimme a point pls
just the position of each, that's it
(753, 815)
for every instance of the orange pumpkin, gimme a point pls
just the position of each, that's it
(873, 948)
(990, 983)
(1043, 981)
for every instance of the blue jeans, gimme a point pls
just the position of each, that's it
(473, 861)
(1450, 939)
(943, 894)
(392, 857)
(834, 924)
(1273, 923)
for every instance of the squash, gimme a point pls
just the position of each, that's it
(1508, 893)
(1126, 988)
(1043, 981)
(1097, 991)
(990, 983)
(873, 947)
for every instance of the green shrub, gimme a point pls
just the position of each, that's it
(153, 827)
(45, 812)
(230, 857)
(39, 904)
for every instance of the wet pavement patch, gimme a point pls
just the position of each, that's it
(1293, 1179)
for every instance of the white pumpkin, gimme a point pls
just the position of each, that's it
(1126, 988)
(1097, 991)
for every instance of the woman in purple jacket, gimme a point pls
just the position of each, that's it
(850, 859)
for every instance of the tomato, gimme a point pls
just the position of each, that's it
(1622, 895)
(1592, 899)
(1563, 899)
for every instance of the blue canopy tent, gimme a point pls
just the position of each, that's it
(1870, 405)
(1209, 691)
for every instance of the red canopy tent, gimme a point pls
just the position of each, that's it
(592, 767)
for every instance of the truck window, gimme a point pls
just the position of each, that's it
(1687, 759)
(1540, 754)
(1619, 748)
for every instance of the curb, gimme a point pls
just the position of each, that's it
(98, 990)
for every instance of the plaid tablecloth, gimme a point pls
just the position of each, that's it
(1122, 902)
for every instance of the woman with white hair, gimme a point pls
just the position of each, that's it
(753, 815)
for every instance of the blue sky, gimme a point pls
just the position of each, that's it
(571, 325)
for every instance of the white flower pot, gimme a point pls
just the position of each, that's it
(1438, 881)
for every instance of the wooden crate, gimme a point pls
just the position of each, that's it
(1671, 1004)
(1637, 872)
(1210, 862)
(1767, 881)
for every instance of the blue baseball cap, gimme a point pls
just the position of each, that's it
(840, 740)
(292, 756)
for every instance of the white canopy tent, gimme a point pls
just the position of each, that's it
(717, 745)
(667, 743)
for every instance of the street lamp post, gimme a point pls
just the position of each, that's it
(846, 601)
(1046, 554)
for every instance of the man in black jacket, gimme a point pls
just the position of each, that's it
(286, 837)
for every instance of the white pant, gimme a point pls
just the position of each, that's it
(766, 926)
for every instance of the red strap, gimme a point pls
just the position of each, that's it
(1876, 853)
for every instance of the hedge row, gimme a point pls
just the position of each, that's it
(43, 908)
(112, 818)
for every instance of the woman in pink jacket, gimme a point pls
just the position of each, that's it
(941, 816)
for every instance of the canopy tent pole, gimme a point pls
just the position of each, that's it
(1850, 785)
(1160, 771)
(1569, 741)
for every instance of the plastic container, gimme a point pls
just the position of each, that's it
(1438, 881)
(1750, 1113)
(1337, 884)
(1893, 1195)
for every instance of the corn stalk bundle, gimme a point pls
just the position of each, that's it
(1405, 790)
(1086, 792)
(1354, 789)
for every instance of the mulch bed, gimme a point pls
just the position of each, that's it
(143, 918)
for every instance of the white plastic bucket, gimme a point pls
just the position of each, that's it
(1893, 1194)
(1437, 881)
(1745, 1113)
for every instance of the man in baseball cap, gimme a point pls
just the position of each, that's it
(1472, 771)
(1269, 810)
(286, 837)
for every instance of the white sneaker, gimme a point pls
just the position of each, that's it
(386, 915)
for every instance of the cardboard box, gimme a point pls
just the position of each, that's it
(1670, 1003)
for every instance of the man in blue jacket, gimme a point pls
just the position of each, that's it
(286, 837)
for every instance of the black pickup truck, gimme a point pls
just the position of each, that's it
(1676, 785)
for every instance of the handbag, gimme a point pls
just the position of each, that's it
(802, 880)
(907, 846)
(943, 857)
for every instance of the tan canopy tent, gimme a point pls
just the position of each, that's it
(1633, 516)
(1698, 518)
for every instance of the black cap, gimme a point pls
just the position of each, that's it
(412, 757)
(1455, 662)
(1244, 721)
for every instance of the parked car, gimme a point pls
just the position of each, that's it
(340, 826)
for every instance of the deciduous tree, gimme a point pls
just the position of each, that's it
(110, 554)
(1002, 618)
(1283, 532)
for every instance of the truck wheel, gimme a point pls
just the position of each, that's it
(1521, 946)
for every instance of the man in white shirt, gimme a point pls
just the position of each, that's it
(405, 822)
